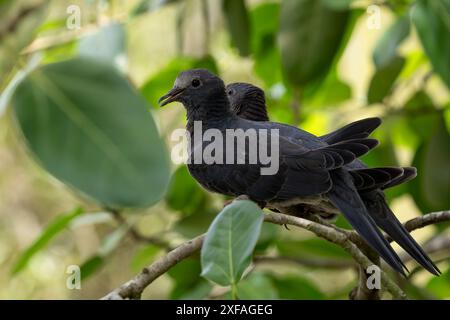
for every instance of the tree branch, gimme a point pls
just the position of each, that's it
(134, 288)
(427, 219)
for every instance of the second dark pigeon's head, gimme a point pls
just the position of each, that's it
(194, 88)
(247, 101)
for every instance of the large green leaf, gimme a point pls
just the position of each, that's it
(107, 44)
(238, 24)
(49, 232)
(432, 21)
(230, 241)
(383, 80)
(87, 126)
(310, 36)
(386, 48)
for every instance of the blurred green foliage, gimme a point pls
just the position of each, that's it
(87, 115)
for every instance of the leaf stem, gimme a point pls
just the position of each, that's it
(234, 295)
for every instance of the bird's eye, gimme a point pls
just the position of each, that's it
(196, 83)
(230, 92)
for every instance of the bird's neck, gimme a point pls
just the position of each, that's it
(211, 112)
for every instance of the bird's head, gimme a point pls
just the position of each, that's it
(247, 101)
(194, 88)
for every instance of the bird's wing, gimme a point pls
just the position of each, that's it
(358, 129)
(306, 172)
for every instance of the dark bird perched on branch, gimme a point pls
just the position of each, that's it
(248, 102)
(309, 170)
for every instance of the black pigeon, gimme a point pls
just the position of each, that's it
(309, 169)
(248, 102)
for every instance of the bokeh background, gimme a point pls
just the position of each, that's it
(322, 64)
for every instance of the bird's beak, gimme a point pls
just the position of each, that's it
(171, 96)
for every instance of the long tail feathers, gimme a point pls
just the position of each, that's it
(345, 197)
(386, 220)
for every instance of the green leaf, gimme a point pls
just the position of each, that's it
(383, 80)
(156, 86)
(330, 92)
(384, 154)
(309, 38)
(420, 116)
(267, 237)
(86, 125)
(108, 245)
(144, 256)
(257, 286)
(296, 288)
(432, 21)
(230, 241)
(386, 49)
(431, 187)
(92, 218)
(49, 232)
(107, 44)
(440, 286)
(264, 25)
(185, 194)
(90, 266)
(199, 291)
(112, 241)
(436, 176)
(196, 223)
(192, 287)
(311, 247)
(238, 24)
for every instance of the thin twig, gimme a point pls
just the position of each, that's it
(157, 241)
